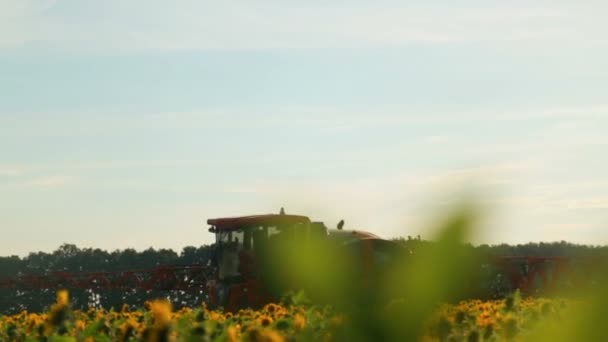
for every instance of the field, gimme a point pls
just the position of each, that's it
(473, 320)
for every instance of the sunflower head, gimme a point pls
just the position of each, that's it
(265, 320)
(161, 310)
(63, 297)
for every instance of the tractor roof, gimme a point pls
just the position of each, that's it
(350, 235)
(235, 223)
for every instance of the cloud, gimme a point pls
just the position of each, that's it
(588, 203)
(436, 139)
(128, 164)
(24, 21)
(10, 171)
(138, 25)
(488, 173)
(402, 115)
(568, 188)
(327, 117)
(24, 8)
(46, 182)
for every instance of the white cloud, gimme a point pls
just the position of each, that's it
(90, 123)
(10, 171)
(587, 203)
(137, 25)
(24, 21)
(487, 172)
(568, 188)
(46, 182)
(436, 139)
(14, 9)
(402, 115)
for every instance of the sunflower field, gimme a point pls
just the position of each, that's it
(158, 322)
(474, 320)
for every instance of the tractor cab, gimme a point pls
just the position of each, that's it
(240, 239)
(241, 244)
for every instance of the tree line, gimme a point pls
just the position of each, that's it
(531, 249)
(70, 258)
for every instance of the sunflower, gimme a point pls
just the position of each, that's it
(299, 321)
(265, 320)
(161, 311)
(234, 333)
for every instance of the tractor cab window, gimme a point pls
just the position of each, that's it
(229, 245)
(239, 250)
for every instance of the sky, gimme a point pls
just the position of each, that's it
(130, 123)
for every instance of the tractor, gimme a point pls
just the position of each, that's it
(242, 259)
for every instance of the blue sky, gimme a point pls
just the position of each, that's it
(128, 124)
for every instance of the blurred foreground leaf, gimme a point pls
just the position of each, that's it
(392, 305)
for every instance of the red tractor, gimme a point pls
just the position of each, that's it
(243, 242)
